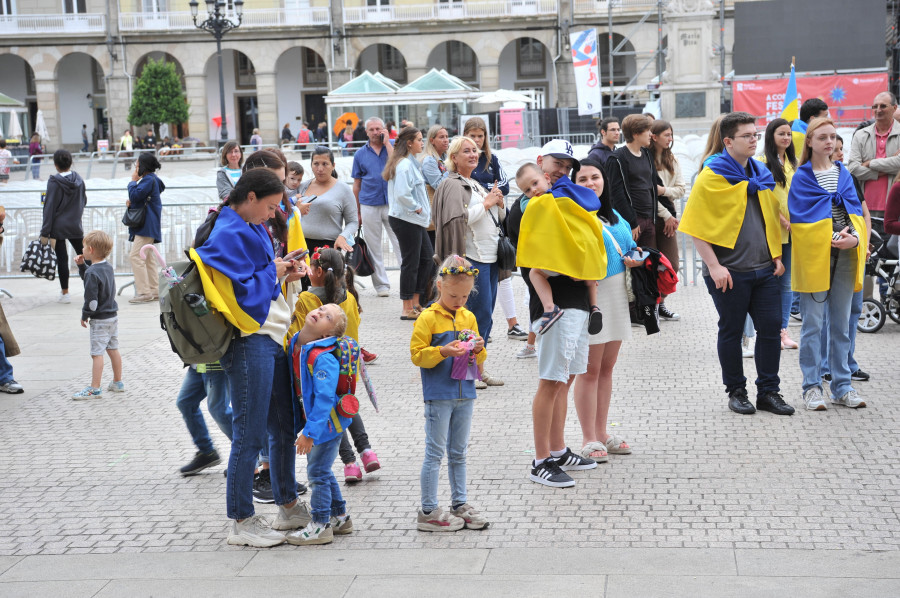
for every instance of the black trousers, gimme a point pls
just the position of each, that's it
(360, 439)
(62, 259)
(416, 263)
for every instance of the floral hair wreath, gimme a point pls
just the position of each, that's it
(317, 252)
(452, 270)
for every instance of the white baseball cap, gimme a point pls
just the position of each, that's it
(562, 149)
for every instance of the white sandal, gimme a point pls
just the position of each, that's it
(595, 447)
(614, 446)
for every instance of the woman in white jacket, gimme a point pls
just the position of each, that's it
(409, 215)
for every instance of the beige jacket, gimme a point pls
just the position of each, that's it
(675, 188)
(862, 149)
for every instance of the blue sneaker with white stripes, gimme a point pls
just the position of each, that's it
(569, 461)
(548, 473)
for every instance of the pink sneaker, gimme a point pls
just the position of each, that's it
(352, 473)
(370, 461)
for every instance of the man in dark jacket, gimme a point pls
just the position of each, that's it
(63, 206)
(610, 132)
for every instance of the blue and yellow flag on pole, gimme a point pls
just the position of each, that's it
(239, 277)
(810, 207)
(560, 232)
(790, 110)
(715, 211)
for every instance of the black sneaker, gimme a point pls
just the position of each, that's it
(548, 473)
(826, 377)
(772, 402)
(738, 402)
(262, 487)
(301, 488)
(860, 376)
(200, 462)
(516, 333)
(666, 314)
(569, 461)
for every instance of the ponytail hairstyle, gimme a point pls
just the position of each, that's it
(338, 273)
(271, 159)
(453, 267)
(262, 182)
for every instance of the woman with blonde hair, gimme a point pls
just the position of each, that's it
(464, 216)
(409, 214)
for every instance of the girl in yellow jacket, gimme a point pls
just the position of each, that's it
(331, 281)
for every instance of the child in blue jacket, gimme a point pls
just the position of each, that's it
(448, 401)
(324, 427)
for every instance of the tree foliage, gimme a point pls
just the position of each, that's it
(158, 97)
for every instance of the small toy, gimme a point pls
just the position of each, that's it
(168, 272)
(464, 367)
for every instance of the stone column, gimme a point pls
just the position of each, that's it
(46, 91)
(489, 75)
(689, 93)
(118, 102)
(198, 119)
(266, 104)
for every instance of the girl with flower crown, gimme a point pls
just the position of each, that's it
(331, 281)
(448, 401)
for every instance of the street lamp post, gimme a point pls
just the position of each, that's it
(219, 24)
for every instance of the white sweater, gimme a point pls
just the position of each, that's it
(482, 234)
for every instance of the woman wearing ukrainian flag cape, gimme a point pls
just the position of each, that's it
(828, 256)
(242, 280)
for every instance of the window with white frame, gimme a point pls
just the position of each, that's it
(71, 7)
(531, 62)
(7, 7)
(460, 60)
(153, 6)
(314, 71)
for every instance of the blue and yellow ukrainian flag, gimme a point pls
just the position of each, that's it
(790, 112)
(715, 210)
(295, 238)
(239, 277)
(811, 229)
(560, 232)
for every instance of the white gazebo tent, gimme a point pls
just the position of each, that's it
(424, 96)
(12, 107)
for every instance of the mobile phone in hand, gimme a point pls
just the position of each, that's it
(297, 254)
(309, 199)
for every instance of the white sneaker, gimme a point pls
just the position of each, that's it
(746, 349)
(314, 533)
(814, 399)
(384, 292)
(526, 352)
(64, 298)
(254, 531)
(850, 399)
(294, 518)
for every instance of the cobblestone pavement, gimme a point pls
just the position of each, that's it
(101, 476)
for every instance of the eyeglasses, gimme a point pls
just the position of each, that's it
(881, 106)
(749, 137)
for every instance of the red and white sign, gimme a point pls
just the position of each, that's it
(848, 96)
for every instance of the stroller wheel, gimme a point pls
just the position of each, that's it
(892, 306)
(872, 317)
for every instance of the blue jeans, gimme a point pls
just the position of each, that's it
(758, 294)
(6, 370)
(855, 310)
(447, 424)
(837, 304)
(326, 500)
(787, 296)
(212, 386)
(484, 297)
(262, 401)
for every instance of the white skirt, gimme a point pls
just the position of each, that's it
(613, 303)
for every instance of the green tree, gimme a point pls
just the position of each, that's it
(158, 97)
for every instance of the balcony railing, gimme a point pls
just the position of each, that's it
(592, 7)
(77, 24)
(449, 11)
(158, 22)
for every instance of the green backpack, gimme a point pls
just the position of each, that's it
(197, 333)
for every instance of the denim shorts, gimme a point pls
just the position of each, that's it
(563, 350)
(104, 335)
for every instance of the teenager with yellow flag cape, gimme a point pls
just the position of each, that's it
(829, 251)
(811, 207)
(718, 202)
(560, 232)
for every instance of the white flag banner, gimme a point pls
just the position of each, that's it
(587, 71)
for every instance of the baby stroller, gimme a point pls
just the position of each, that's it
(884, 263)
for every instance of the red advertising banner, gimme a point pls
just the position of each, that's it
(848, 96)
